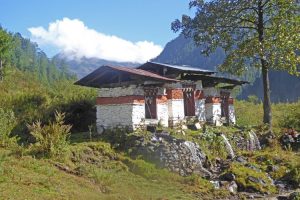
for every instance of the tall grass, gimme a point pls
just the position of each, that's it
(51, 139)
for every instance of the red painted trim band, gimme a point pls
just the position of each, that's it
(128, 100)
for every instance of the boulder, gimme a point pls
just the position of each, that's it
(227, 177)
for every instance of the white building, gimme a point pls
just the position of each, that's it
(157, 93)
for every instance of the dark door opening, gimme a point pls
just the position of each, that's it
(225, 105)
(189, 103)
(150, 103)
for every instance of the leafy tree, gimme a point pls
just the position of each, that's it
(5, 45)
(254, 33)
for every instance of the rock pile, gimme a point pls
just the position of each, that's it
(183, 157)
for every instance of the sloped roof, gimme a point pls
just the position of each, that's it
(106, 75)
(213, 80)
(181, 68)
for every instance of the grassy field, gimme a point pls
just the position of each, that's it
(95, 171)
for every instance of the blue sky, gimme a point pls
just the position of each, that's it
(131, 20)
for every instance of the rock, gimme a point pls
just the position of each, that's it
(294, 196)
(261, 159)
(272, 168)
(216, 184)
(232, 187)
(250, 166)
(282, 198)
(227, 177)
(241, 159)
(100, 130)
(256, 180)
(198, 126)
(184, 127)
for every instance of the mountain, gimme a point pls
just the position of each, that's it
(84, 66)
(181, 50)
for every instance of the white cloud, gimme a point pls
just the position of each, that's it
(75, 39)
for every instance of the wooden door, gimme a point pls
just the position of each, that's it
(189, 103)
(150, 107)
(225, 105)
(150, 103)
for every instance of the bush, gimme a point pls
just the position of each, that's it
(291, 119)
(51, 139)
(7, 123)
(294, 175)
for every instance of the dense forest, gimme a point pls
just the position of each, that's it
(28, 57)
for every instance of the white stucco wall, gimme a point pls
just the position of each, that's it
(213, 113)
(116, 115)
(176, 110)
(162, 114)
(121, 91)
(138, 114)
(200, 109)
(199, 85)
(232, 119)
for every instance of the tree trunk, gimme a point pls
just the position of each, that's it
(265, 69)
(267, 99)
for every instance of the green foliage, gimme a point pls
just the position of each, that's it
(253, 99)
(26, 56)
(285, 115)
(5, 43)
(236, 26)
(294, 175)
(51, 139)
(5, 46)
(256, 33)
(7, 123)
(291, 119)
(243, 173)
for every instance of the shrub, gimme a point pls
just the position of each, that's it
(291, 119)
(51, 139)
(7, 123)
(294, 175)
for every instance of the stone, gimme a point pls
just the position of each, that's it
(272, 168)
(250, 166)
(198, 126)
(233, 187)
(228, 177)
(256, 180)
(184, 127)
(216, 184)
(100, 130)
(294, 196)
(241, 159)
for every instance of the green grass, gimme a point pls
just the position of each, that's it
(102, 174)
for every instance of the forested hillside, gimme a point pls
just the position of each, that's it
(28, 57)
(181, 50)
